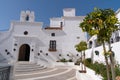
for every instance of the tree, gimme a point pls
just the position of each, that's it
(101, 22)
(81, 47)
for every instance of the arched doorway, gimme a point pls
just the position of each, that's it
(24, 53)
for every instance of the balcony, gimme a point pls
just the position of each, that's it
(52, 50)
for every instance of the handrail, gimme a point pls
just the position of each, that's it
(5, 73)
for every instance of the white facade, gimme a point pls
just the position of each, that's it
(27, 40)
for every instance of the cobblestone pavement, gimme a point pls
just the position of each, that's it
(65, 76)
(48, 74)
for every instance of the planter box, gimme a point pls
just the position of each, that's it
(64, 64)
(82, 71)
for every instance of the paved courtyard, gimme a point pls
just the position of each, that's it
(57, 73)
(32, 71)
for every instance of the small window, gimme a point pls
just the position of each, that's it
(61, 24)
(77, 54)
(27, 18)
(90, 44)
(111, 40)
(78, 37)
(52, 34)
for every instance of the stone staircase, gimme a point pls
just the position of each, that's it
(22, 67)
(32, 71)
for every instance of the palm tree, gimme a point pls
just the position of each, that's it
(101, 22)
(81, 47)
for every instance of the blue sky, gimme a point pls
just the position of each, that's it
(45, 9)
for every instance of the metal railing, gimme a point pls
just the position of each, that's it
(5, 73)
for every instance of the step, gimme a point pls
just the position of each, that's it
(58, 74)
(28, 67)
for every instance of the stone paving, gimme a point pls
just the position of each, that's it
(65, 76)
(42, 71)
(51, 74)
(57, 73)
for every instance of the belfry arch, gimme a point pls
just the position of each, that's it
(24, 52)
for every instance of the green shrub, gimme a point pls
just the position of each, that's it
(63, 60)
(117, 70)
(88, 62)
(70, 60)
(99, 68)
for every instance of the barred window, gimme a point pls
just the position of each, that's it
(52, 45)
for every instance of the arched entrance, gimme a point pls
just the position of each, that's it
(24, 53)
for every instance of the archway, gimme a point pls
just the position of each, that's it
(24, 53)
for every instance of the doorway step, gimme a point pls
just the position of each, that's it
(24, 66)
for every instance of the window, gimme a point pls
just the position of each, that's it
(52, 34)
(61, 24)
(52, 46)
(78, 37)
(77, 54)
(27, 18)
(90, 44)
(25, 33)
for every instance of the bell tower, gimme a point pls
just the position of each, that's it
(27, 16)
(69, 12)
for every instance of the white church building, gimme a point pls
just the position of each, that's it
(28, 40)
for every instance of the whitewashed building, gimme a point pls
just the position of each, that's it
(27, 40)
(115, 45)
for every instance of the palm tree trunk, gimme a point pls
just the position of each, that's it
(106, 60)
(112, 62)
(112, 67)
